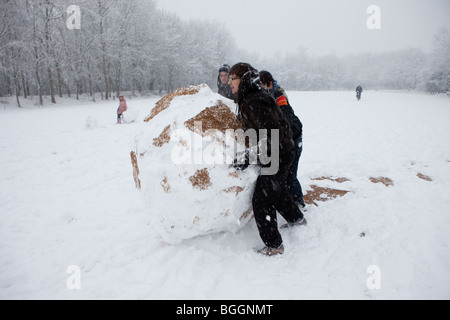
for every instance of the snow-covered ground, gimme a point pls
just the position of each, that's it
(68, 198)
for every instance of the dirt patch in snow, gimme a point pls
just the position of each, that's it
(164, 103)
(338, 180)
(163, 138)
(319, 194)
(201, 179)
(236, 190)
(386, 181)
(165, 184)
(246, 214)
(424, 177)
(234, 175)
(218, 117)
(134, 163)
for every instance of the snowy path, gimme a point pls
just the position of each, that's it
(67, 197)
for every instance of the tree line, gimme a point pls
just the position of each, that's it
(131, 45)
(409, 69)
(122, 45)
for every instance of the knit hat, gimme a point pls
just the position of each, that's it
(225, 68)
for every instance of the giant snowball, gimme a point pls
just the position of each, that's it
(181, 164)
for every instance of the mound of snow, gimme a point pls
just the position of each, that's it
(182, 166)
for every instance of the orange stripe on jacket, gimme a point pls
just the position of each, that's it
(282, 101)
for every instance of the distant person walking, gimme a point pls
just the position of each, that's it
(359, 91)
(122, 108)
(222, 83)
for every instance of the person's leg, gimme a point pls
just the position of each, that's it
(286, 204)
(267, 192)
(295, 186)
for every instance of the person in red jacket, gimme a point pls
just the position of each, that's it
(122, 108)
(280, 97)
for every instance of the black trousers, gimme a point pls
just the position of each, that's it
(273, 193)
(297, 191)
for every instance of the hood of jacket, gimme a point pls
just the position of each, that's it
(250, 82)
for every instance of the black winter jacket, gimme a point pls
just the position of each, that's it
(294, 122)
(257, 110)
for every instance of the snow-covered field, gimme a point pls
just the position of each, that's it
(68, 198)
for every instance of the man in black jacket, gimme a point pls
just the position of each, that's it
(269, 83)
(257, 110)
(222, 83)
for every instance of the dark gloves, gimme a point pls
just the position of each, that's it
(240, 167)
(241, 162)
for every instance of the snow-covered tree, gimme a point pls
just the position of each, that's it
(123, 45)
(439, 80)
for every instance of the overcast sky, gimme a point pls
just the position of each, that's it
(321, 26)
